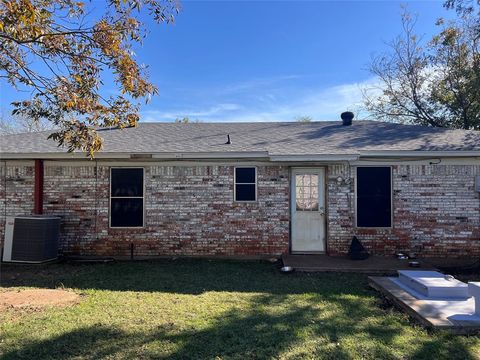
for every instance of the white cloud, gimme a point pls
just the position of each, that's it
(214, 111)
(258, 83)
(272, 103)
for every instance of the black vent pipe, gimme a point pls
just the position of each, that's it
(347, 118)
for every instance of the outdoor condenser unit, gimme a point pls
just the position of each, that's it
(32, 239)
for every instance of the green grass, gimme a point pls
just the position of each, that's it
(214, 310)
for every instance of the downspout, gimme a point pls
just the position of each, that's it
(38, 189)
(4, 196)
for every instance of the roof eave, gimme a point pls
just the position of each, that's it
(138, 156)
(239, 155)
(418, 153)
(212, 155)
(314, 157)
(61, 156)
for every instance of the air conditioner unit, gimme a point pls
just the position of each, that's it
(32, 239)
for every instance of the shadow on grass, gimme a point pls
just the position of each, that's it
(187, 276)
(334, 317)
(252, 334)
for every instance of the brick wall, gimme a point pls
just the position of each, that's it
(190, 210)
(16, 191)
(71, 192)
(436, 212)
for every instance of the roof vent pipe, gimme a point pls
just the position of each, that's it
(347, 118)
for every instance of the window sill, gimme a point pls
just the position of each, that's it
(374, 228)
(126, 227)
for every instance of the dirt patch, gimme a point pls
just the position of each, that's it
(37, 298)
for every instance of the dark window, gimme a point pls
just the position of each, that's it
(245, 175)
(126, 192)
(374, 197)
(245, 184)
(127, 212)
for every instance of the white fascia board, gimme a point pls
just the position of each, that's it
(418, 153)
(263, 155)
(213, 155)
(245, 155)
(315, 158)
(62, 156)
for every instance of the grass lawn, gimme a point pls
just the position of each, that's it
(198, 309)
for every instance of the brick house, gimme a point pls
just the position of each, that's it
(253, 189)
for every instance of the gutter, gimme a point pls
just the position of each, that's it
(313, 158)
(239, 155)
(418, 154)
(60, 156)
(142, 156)
(213, 155)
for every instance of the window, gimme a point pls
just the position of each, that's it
(306, 192)
(245, 184)
(126, 197)
(374, 197)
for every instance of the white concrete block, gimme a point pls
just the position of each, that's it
(433, 284)
(474, 290)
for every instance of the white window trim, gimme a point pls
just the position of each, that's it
(235, 184)
(126, 197)
(391, 198)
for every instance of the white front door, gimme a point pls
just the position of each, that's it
(308, 210)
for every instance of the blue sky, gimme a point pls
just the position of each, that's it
(268, 60)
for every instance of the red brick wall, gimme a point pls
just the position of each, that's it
(72, 192)
(16, 191)
(436, 212)
(190, 210)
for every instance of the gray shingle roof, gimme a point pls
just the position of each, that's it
(276, 138)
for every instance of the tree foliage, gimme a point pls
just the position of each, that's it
(304, 119)
(434, 83)
(20, 124)
(466, 9)
(59, 49)
(186, 120)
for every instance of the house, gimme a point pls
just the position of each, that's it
(253, 189)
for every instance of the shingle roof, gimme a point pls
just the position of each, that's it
(276, 138)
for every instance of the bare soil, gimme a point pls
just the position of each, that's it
(37, 298)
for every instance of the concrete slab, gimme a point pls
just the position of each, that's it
(457, 316)
(433, 284)
(474, 291)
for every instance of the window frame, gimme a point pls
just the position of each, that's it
(310, 173)
(126, 197)
(235, 184)
(391, 197)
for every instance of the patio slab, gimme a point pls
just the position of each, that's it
(457, 316)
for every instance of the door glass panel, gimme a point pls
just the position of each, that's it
(306, 192)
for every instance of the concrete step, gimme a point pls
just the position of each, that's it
(433, 284)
